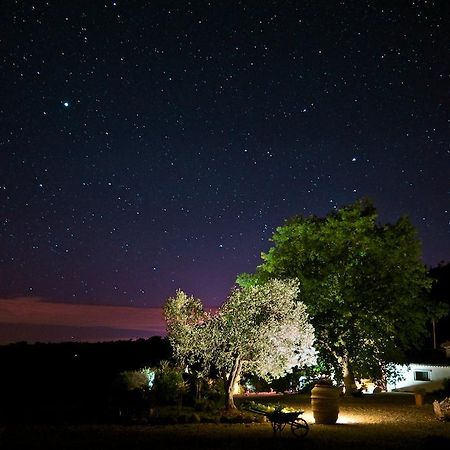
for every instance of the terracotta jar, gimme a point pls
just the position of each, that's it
(325, 403)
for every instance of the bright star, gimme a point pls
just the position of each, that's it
(66, 104)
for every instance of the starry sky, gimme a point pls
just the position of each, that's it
(147, 146)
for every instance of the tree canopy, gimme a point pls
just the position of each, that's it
(440, 302)
(363, 284)
(260, 330)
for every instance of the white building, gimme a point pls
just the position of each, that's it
(420, 377)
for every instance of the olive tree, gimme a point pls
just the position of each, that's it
(260, 330)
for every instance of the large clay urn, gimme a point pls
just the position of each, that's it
(325, 403)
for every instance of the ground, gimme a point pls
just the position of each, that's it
(384, 421)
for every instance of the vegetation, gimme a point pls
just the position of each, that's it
(169, 386)
(440, 303)
(371, 422)
(259, 330)
(74, 382)
(363, 284)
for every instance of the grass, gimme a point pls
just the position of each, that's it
(384, 421)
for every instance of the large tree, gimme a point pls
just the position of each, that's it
(363, 284)
(440, 303)
(260, 330)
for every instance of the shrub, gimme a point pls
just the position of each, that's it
(130, 394)
(132, 379)
(168, 385)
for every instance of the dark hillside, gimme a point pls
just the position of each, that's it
(55, 382)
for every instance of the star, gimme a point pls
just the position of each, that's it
(196, 146)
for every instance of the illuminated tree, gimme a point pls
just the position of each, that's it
(363, 284)
(186, 320)
(259, 330)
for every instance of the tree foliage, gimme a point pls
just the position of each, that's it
(440, 301)
(186, 320)
(260, 330)
(363, 284)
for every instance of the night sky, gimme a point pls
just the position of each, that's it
(149, 146)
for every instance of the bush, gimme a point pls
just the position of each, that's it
(214, 392)
(205, 394)
(168, 386)
(131, 394)
(131, 380)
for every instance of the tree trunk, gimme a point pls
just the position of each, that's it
(198, 388)
(348, 376)
(230, 383)
(434, 333)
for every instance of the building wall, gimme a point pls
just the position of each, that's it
(420, 377)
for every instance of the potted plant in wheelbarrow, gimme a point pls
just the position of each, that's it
(279, 416)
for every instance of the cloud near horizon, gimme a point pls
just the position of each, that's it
(41, 314)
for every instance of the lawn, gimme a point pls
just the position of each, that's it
(371, 422)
